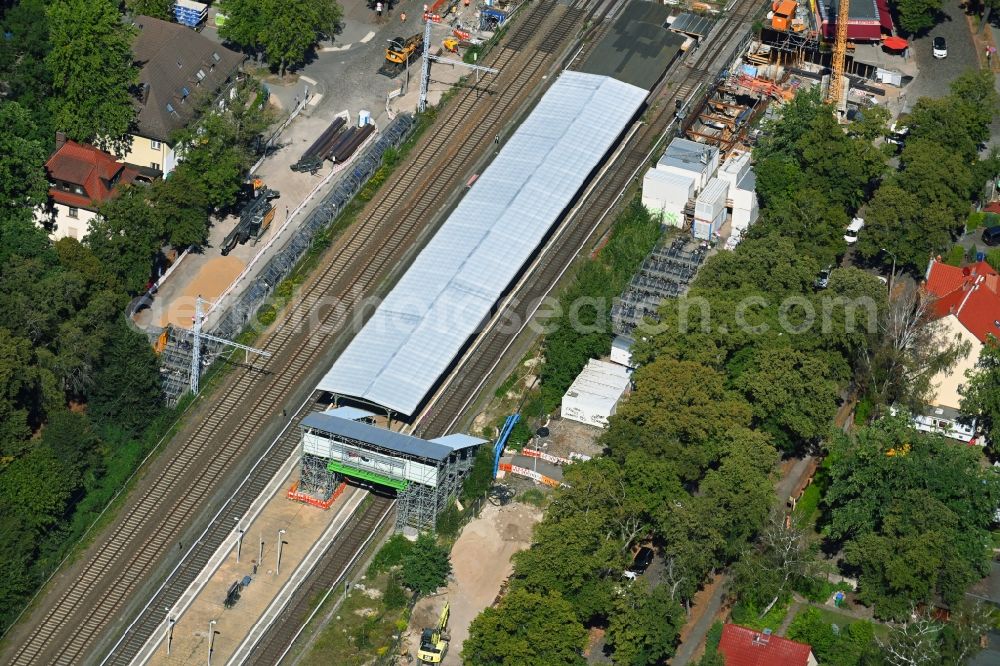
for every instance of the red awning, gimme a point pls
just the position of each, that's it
(884, 17)
(895, 43)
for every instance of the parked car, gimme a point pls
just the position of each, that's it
(853, 229)
(939, 48)
(991, 235)
(897, 134)
(823, 279)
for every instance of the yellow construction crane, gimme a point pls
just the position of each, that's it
(839, 53)
(433, 641)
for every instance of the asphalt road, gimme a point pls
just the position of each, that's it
(936, 75)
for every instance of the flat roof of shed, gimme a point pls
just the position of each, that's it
(450, 289)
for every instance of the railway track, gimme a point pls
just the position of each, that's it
(276, 641)
(151, 525)
(482, 360)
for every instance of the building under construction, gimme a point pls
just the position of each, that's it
(344, 444)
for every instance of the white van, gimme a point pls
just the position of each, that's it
(853, 229)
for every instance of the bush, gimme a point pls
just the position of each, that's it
(519, 435)
(390, 555)
(394, 597)
(533, 496)
(449, 522)
(993, 259)
(426, 566)
(862, 411)
(955, 256)
(974, 221)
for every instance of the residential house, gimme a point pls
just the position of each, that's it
(179, 70)
(966, 308)
(747, 647)
(81, 178)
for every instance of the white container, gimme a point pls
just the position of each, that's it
(667, 194)
(364, 118)
(712, 201)
(734, 169)
(684, 156)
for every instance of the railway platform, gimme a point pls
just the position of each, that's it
(236, 623)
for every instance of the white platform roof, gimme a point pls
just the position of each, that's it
(448, 292)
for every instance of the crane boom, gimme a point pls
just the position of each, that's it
(839, 53)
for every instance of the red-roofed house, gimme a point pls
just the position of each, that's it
(81, 178)
(747, 647)
(967, 308)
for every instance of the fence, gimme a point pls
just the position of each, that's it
(231, 318)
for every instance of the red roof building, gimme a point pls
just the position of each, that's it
(867, 19)
(971, 293)
(82, 176)
(746, 647)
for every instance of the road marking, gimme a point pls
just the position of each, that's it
(314, 100)
(329, 49)
(367, 38)
(311, 82)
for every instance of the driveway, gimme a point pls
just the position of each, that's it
(936, 75)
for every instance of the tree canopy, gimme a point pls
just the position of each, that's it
(92, 71)
(526, 628)
(284, 31)
(913, 512)
(426, 565)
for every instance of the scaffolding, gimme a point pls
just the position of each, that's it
(665, 273)
(418, 506)
(425, 475)
(241, 308)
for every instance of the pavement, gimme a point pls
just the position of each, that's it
(306, 532)
(341, 78)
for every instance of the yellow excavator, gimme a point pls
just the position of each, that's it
(433, 641)
(399, 52)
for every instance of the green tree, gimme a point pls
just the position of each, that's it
(127, 390)
(125, 237)
(480, 478)
(917, 16)
(23, 184)
(426, 566)
(181, 208)
(913, 512)
(161, 9)
(15, 359)
(92, 71)
(526, 628)
(644, 626)
(793, 394)
(981, 392)
(25, 27)
(284, 30)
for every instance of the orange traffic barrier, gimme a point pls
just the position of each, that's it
(295, 495)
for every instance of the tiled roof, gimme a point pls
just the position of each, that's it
(94, 170)
(179, 66)
(971, 293)
(746, 647)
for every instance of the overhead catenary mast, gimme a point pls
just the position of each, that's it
(197, 336)
(425, 68)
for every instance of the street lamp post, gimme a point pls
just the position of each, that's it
(239, 539)
(892, 275)
(277, 567)
(170, 633)
(211, 640)
(260, 555)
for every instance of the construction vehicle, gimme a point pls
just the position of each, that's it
(433, 641)
(783, 13)
(450, 44)
(256, 214)
(399, 52)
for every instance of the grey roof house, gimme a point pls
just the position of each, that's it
(178, 69)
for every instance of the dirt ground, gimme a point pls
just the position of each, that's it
(210, 281)
(567, 437)
(481, 562)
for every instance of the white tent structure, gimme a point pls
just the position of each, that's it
(594, 395)
(447, 294)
